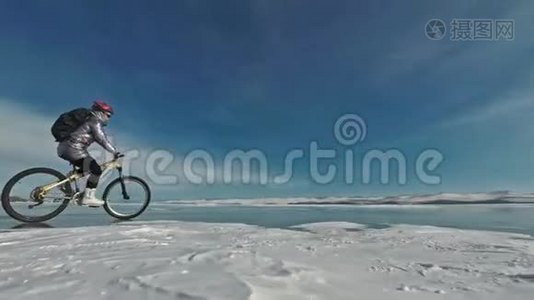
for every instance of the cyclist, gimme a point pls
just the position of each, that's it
(74, 148)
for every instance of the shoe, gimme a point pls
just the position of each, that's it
(89, 198)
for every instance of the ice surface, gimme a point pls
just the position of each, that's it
(334, 260)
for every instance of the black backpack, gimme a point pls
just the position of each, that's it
(68, 122)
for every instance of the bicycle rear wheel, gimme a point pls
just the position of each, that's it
(20, 197)
(126, 201)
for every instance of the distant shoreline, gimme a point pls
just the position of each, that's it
(431, 199)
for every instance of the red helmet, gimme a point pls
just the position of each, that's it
(100, 105)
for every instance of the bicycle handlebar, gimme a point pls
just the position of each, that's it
(120, 155)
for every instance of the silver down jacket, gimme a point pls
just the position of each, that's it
(75, 147)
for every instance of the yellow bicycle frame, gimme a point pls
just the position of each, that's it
(43, 190)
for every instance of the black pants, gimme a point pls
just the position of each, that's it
(89, 165)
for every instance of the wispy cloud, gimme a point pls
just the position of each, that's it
(505, 107)
(25, 135)
(27, 142)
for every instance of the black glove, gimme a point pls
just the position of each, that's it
(117, 155)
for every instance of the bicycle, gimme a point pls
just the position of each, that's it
(38, 193)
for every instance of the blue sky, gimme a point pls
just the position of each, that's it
(275, 75)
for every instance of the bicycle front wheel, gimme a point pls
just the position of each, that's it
(126, 198)
(23, 197)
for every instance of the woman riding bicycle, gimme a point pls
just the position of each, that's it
(74, 148)
(39, 194)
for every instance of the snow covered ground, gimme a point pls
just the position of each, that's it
(181, 260)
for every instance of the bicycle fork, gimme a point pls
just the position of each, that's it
(125, 195)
